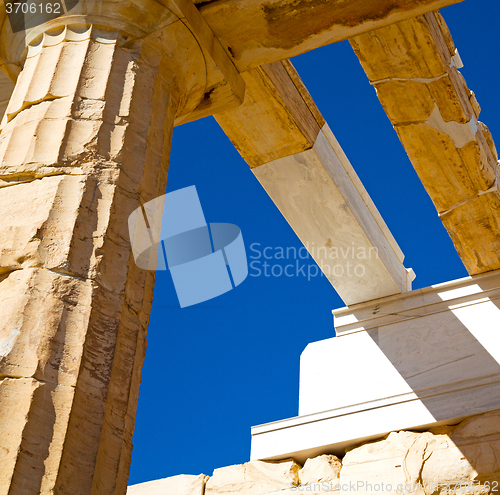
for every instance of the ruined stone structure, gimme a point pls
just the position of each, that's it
(451, 460)
(90, 99)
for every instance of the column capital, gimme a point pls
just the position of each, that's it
(164, 39)
(208, 81)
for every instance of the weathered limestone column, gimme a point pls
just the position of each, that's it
(85, 141)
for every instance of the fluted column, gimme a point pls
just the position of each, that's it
(85, 140)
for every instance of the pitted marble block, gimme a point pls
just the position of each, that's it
(425, 358)
(254, 478)
(321, 468)
(453, 460)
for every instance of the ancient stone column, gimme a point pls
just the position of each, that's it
(84, 142)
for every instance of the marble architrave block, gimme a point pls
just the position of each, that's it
(321, 197)
(421, 359)
(413, 66)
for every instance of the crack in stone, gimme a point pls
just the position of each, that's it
(27, 105)
(424, 80)
(38, 380)
(29, 178)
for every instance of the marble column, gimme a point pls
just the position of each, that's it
(84, 142)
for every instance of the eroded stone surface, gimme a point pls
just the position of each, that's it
(435, 114)
(254, 478)
(321, 468)
(406, 457)
(442, 457)
(263, 31)
(39, 232)
(445, 460)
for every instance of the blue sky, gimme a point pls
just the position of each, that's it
(214, 370)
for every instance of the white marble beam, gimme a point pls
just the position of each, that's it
(325, 203)
(281, 134)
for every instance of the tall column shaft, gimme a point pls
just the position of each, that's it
(85, 141)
